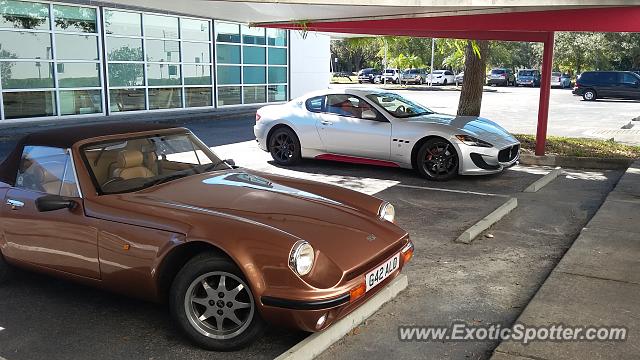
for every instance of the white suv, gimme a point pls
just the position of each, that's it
(392, 75)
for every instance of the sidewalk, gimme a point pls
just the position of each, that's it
(597, 283)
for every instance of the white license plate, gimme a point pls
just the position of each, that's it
(377, 275)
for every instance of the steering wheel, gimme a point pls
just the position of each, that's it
(401, 108)
(111, 181)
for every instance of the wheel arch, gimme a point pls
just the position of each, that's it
(177, 258)
(418, 145)
(276, 127)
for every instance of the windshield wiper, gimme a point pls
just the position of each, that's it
(163, 179)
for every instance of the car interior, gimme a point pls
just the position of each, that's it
(128, 164)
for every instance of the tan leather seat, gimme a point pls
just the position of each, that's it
(131, 165)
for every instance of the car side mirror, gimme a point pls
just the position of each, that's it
(230, 162)
(54, 202)
(369, 115)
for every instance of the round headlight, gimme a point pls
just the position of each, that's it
(388, 212)
(301, 258)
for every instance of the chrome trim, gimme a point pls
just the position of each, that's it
(293, 255)
(75, 173)
(15, 204)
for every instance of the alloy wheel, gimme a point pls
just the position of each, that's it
(283, 147)
(219, 305)
(440, 160)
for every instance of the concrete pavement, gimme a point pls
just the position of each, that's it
(596, 283)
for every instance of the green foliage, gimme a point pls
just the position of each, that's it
(573, 52)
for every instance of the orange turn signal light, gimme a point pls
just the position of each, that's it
(357, 292)
(407, 252)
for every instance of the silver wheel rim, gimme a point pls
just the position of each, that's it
(588, 95)
(219, 305)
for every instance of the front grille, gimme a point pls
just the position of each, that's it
(508, 154)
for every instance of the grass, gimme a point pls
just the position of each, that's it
(582, 147)
(344, 80)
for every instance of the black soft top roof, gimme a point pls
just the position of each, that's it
(65, 137)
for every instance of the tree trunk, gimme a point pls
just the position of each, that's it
(475, 69)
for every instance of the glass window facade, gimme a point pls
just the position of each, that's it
(251, 64)
(51, 61)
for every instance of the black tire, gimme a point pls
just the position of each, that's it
(444, 82)
(589, 95)
(437, 160)
(359, 81)
(5, 270)
(284, 147)
(194, 270)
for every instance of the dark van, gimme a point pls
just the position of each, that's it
(608, 84)
(369, 75)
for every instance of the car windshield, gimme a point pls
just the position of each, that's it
(498, 71)
(388, 71)
(557, 74)
(525, 73)
(438, 72)
(135, 163)
(398, 106)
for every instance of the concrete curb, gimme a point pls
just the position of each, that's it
(470, 234)
(318, 342)
(543, 181)
(575, 162)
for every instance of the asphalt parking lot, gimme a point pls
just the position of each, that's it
(488, 281)
(516, 109)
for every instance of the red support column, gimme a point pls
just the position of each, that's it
(545, 91)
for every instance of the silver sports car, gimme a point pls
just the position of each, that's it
(378, 127)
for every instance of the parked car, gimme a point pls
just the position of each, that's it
(442, 77)
(502, 76)
(592, 85)
(369, 75)
(377, 127)
(152, 212)
(413, 76)
(391, 76)
(459, 79)
(528, 77)
(560, 80)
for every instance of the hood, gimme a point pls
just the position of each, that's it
(325, 223)
(479, 127)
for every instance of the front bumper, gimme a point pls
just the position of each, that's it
(481, 161)
(497, 81)
(304, 314)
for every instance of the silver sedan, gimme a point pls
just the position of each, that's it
(378, 127)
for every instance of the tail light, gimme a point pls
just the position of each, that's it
(257, 117)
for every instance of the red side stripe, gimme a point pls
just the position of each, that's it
(356, 160)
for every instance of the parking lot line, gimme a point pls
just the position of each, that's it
(543, 181)
(451, 190)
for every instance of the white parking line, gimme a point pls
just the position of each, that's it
(451, 190)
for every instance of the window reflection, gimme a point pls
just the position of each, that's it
(74, 18)
(126, 99)
(126, 74)
(165, 98)
(28, 104)
(25, 45)
(26, 74)
(163, 74)
(159, 26)
(76, 47)
(229, 95)
(163, 50)
(196, 97)
(122, 23)
(24, 15)
(78, 75)
(124, 49)
(197, 74)
(78, 102)
(254, 94)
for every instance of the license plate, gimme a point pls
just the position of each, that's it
(377, 275)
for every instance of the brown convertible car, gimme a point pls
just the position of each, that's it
(152, 212)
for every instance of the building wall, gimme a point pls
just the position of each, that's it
(63, 61)
(309, 63)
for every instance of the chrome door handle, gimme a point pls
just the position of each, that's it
(326, 122)
(15, 204)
